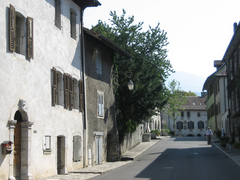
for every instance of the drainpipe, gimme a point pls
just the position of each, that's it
(84, 94)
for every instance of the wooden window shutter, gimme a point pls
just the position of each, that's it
(71, 95)
(66, 90)
(54, 87)
(12, 28)
(30, 37)
(81, 98)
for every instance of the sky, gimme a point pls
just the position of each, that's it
(198, 31)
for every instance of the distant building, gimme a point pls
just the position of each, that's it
(193, 118)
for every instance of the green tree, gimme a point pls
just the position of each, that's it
(149, 67)
(189, 93)
(176, 99)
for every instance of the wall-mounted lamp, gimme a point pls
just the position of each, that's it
(130, 85)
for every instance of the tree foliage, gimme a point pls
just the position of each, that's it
(149, 68)
(177, 98)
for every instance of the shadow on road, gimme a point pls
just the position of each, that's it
(190, 163)
(189, 138)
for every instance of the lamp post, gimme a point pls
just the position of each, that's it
(130, 85)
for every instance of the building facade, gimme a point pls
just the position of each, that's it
(41, 88)
(193, 118)
(226, 78)
(103, 144)
(217, 98)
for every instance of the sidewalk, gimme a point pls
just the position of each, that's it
(229, 151)
(127, 157)
(89, 172)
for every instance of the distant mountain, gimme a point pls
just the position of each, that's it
(188, 82)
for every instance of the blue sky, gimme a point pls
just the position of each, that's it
(198, 31)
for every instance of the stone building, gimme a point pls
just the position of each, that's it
(102, 134)
(42, 88)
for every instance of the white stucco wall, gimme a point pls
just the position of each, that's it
(194, 118)
(30, 80)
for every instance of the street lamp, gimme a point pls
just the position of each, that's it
(130, 85)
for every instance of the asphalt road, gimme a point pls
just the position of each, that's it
(182, 158)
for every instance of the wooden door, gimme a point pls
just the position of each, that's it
(17, 150)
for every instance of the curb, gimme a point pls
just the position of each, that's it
(230, 157)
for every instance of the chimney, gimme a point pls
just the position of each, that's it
(235, 27)
(203, 94)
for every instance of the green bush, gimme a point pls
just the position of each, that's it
(166, 130)
(237, 144)
(226, 139)
(223, 143)
(218, 133)
(156, 131)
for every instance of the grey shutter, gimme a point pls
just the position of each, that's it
(54, 87)
(12, 28)
(66, 90)
(100, 156)
(30, 37)
(77, 152)
(98, 104)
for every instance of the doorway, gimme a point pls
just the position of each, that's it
(61, 155)
(99, 149)
(17, 146)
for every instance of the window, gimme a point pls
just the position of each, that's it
(198, 114)
(190, 125)
(100, 102)
(47, 143)
(188, 114)
(97, 54)
(73, 24)
(182, 113)
(20, 34)
(200, 125)
(58, 13)
(77, 151)
(66, 90)
(179, 125)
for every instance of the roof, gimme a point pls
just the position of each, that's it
(233, 44)
(221, 72)
(87, 3)
(195, 103)
(107, 42)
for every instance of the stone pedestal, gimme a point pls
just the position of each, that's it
(146, 137)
